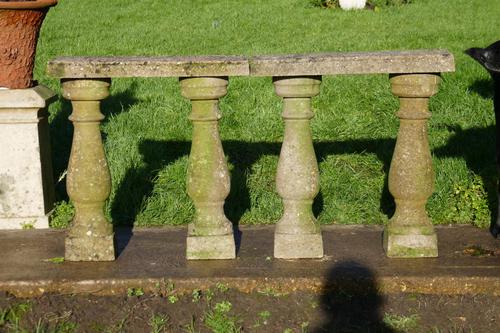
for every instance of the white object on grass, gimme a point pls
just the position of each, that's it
(352, 4)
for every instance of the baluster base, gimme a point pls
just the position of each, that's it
(297, 246)
(410, 242)
(89, 248)
(210, 247)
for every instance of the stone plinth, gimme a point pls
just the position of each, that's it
(26, 181)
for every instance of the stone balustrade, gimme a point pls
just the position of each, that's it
(414, 77)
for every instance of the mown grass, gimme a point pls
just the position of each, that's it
(147, 133)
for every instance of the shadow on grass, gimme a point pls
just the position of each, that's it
(351, 301)
(477, 147)
(483, 88)
(480, 147)
(138, 183)
(61, 133)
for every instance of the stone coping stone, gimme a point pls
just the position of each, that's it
(392, 62)
(144, 66)
(155, 257)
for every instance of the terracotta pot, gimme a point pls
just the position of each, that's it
(20, 22)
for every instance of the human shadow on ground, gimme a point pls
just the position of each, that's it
(350, 301)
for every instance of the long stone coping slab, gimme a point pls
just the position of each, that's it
(392, 62)
(152, 258)
(144, 66)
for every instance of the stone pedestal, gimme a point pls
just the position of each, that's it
(210, 235)
(297, 233)
(410, 233)
(26, 181)
(90, 237)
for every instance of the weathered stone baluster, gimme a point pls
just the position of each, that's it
(90, 237)
(411, 179)
(297, 234)
(210, 235)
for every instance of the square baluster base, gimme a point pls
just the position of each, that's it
(289, 246)
(410, 245)
(210, 247)
(89, 248)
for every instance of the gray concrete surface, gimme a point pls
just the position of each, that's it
(152, 258)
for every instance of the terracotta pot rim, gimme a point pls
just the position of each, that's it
(35, 4)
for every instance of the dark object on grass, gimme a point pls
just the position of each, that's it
(489, 57)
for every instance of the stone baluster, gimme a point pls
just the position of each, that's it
(411, 179)
(210, 234)
(297, 233)
(90, 237)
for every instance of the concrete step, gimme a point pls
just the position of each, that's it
(154, 258)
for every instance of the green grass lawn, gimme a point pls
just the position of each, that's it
(147, 132)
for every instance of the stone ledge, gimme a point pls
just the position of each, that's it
(413, 61)
(445, 285)
(389, 62)
(151, 256)
(133, 66)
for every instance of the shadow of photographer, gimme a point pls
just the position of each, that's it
(351, 301)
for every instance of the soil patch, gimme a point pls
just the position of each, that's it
(224, 310)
